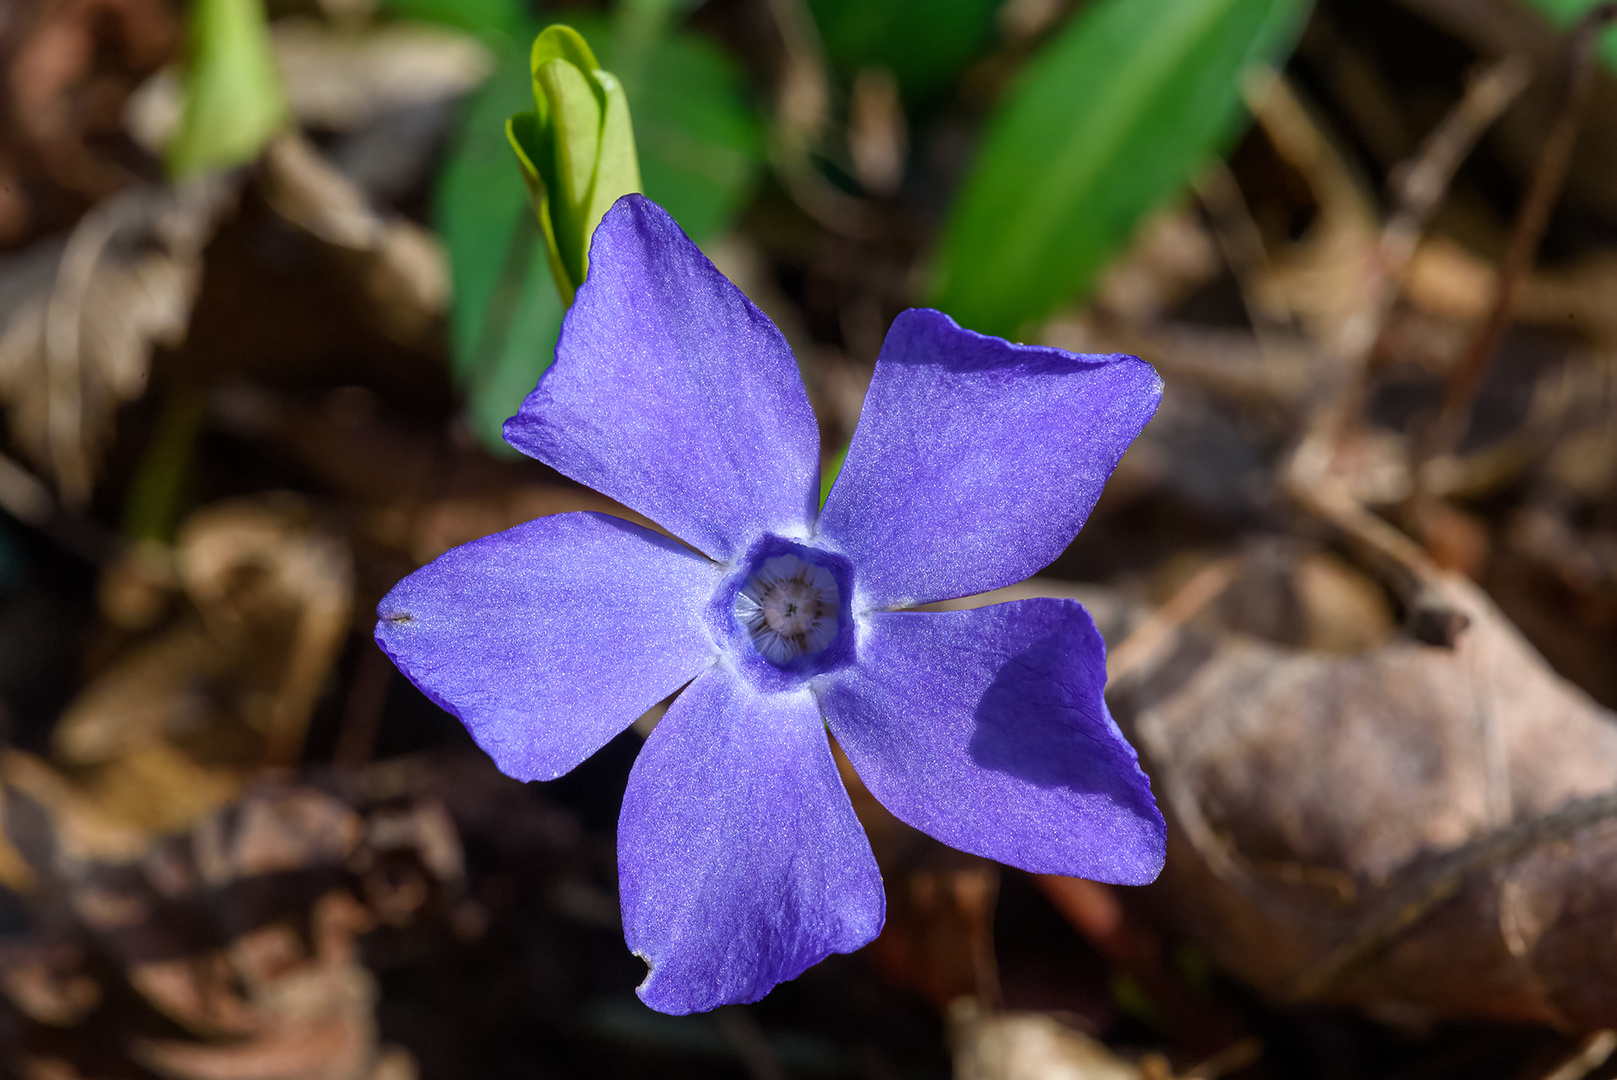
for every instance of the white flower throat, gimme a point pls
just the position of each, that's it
(789, 606)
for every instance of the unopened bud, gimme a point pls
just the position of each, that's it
(576, 149)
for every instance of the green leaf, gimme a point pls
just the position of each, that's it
(1566, 13)
(234, 99)
(1111, 117)
(506, 18)
(924, 43)
(831, 470)
(561, 42)
(506, 314)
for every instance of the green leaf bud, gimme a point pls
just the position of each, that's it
(234, 99)
(576, 149)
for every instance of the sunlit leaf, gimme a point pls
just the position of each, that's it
(576, 149)
(1110, 118)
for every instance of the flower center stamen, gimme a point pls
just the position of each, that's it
(789, 606)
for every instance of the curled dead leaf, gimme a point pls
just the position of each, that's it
(82, 315)
(1421, 831)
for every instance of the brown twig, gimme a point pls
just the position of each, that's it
(1149, 639)
(1408, 905)
(1465, 377)
(1398, 561)
(1417, 191)
(1241, 243)
(1596, 1048)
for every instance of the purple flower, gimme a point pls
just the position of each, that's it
(974, 464)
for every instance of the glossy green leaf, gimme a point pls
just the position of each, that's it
(234, 98)
(1566, 13)
(924, 43)
(1109, 119)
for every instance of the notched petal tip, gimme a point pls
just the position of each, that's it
(548, 639)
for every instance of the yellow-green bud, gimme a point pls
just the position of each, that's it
(234, 100)
(576, 149)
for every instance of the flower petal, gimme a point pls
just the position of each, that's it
(740, 861)
(674, 395)
(548, 639)
(988, 730)
(976, 461)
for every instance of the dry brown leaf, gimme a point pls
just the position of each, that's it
(69, 64)
(313, 1016)
(176, 726)
(1392, 829)
(401, 265)
(241, 930)
(81, 317)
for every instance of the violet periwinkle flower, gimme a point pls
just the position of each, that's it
(974, 464)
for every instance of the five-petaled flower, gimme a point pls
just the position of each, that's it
(974, 464)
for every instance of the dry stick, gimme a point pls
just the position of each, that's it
(1396, 559)
(1590, 1056)
(1465, 377)
(1409, 904)
(1148, 640)
(1241, 243)
(1421, 185)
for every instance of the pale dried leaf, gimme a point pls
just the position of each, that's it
(1027, 1046)
(81, 317)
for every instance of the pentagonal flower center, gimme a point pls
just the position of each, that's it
(789, 606)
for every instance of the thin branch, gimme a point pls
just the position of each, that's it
(1590, 1056)
(1397, 560)
(1148, 640)
(1465, 377)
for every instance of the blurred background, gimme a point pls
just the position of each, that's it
(270, 280)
